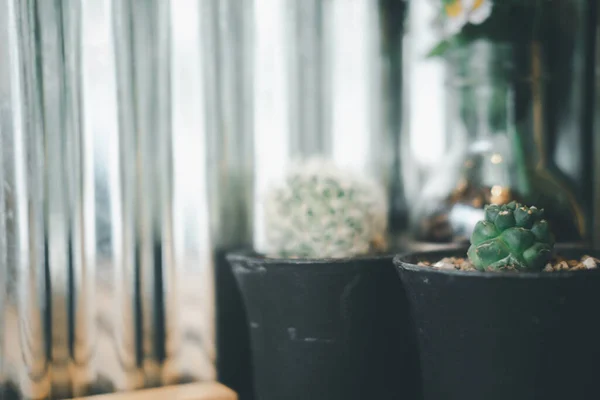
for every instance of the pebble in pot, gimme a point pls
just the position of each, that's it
(327, 314)
(514, 319)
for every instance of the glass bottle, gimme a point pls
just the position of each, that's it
(499, 94)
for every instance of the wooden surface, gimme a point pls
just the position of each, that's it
(193, 391)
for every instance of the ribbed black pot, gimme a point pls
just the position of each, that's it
(327, 329)
(498, 336)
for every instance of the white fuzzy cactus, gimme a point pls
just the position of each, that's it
(323, 211)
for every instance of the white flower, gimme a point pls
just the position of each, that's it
(461, 12)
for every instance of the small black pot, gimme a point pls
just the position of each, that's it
(328, 329)
(498, 336)
(234, 366)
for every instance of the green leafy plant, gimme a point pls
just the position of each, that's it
(512, 237)
(500, 21)
(323, 211)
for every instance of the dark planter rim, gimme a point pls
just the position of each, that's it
(254, 257)
(403, 262)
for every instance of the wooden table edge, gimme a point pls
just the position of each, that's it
(189, 391)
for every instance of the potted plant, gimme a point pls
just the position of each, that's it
(327, 315)
(511, 317)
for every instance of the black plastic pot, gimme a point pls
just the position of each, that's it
(328, 329)
(234, 368)
(498, 336)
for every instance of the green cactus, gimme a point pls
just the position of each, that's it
(323, 211)
(512, 237)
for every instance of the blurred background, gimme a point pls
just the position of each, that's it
(137, 138)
